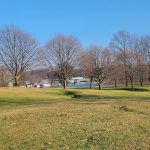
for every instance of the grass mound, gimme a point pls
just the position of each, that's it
(43, 119)
(75, 125)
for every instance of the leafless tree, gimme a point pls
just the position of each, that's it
(100, 60)
(117, 70)
(145, 49)
(140, 67)
(120, 44)
(63, 56)
(132, 54)
(17, 51)
(126, 46)
(131, 68)
(5, 77)
(88, 65)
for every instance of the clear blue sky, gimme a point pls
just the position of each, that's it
(92, 21)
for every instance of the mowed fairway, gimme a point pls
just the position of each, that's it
(74, 119)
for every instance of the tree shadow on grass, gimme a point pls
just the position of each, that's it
(136, 89)
(128, 89)
(73, 94)
(24, 102)
(79, 96)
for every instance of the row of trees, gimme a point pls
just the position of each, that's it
(96, 64)
(127, 56)
(133, 54)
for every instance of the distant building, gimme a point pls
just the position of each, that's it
(75, 80)
(45, 83)
(10, 84)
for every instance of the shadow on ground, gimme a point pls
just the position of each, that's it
(128, 89)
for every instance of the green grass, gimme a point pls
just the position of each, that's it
(74, 119)
(27, 96)
(109, 93)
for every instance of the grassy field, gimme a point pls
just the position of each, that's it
(74, 119)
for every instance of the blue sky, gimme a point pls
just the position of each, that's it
(92, 21)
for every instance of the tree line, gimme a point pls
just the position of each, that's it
(126, 59)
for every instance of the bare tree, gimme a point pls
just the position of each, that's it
(100, 61)
(145, 49)
(134, 53)
(132, 58)
(131, 68)
(88, 65)
(63, 56)
(117, 70)
(140, 67)
(5, 77)
(17, 51)
(120, 44)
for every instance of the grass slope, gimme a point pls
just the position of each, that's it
(75, 119)
(25, 96)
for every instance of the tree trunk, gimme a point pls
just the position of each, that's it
(99, 86)
(16, 81)
(65, 84)
(132, 85)
(115, 83)
(141, 81)
(126, 79)
(149, 72)
(91, 83)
